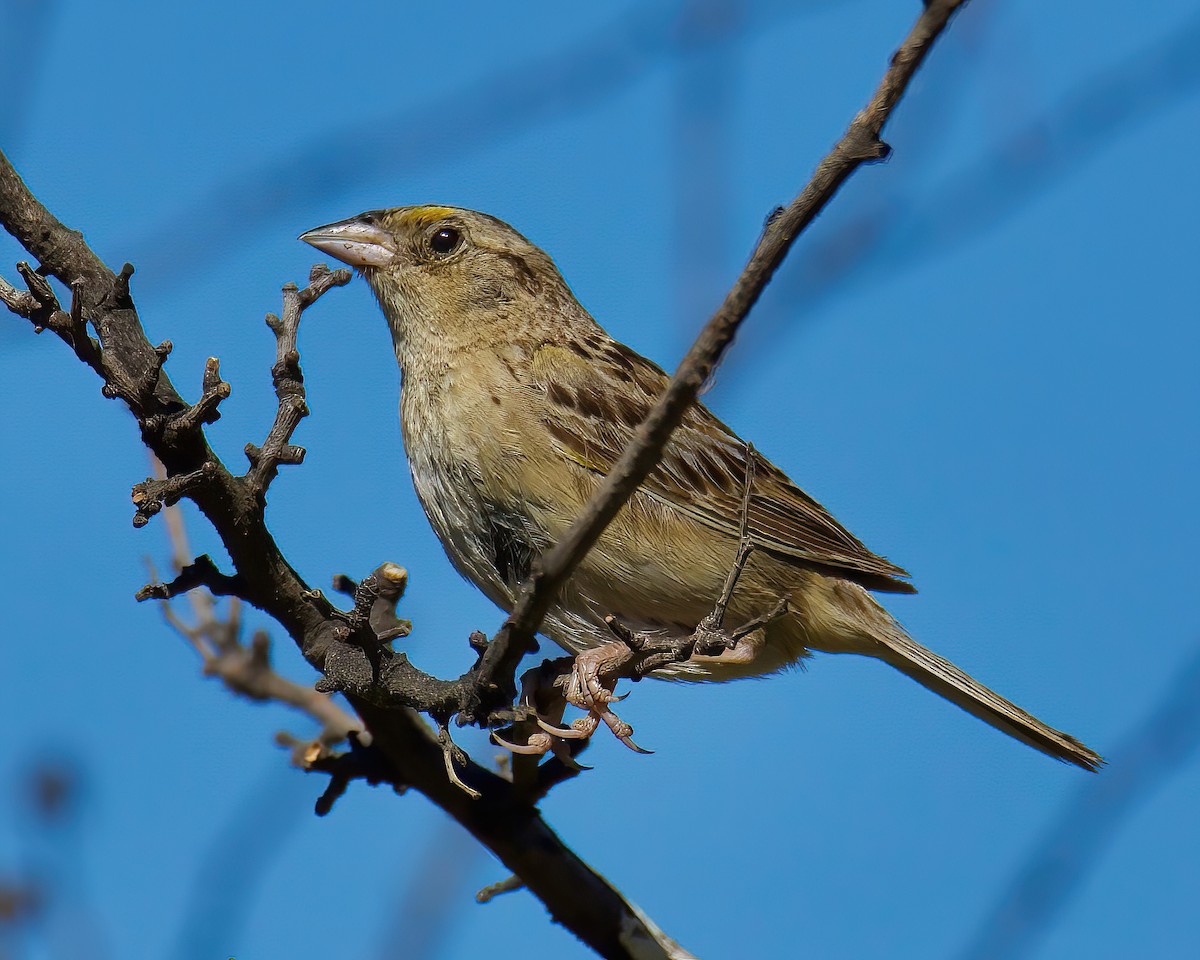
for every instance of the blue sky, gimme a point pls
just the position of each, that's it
(981, 358)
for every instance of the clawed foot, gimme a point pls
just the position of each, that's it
(591, 678)
(591, 681)
(589, 692)
(585, 688)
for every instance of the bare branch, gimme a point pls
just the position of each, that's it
(201, 572)
(20, 302)
(213, 390)
(288, 380)
(892, 234)
(39, 304)
(152, 494)
(453, 754)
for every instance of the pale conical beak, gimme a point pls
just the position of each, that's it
(357, 241)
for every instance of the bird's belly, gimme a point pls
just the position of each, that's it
(445, 461)
(455, 514)
(653, 566)
(496, 498)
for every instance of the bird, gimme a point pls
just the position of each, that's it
(515, 404)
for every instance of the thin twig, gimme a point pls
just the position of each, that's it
(403, 752)
(745, 544)
(288, 380)
(154, 493)
(500, 887)
(213, 390)
(453, 754)
(892, 235)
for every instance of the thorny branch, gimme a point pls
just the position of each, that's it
(351, 647)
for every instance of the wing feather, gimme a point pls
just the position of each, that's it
(604, 390)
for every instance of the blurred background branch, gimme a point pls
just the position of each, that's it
(640, 39)
(895, 225)
(1070, 847)
(29, 28)
(245, 668)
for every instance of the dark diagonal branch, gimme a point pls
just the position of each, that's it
(860, 144)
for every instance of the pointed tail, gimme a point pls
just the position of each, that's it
(945, 679)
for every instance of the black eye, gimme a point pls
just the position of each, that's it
(445, 240)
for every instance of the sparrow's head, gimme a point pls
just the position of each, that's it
(444, 275)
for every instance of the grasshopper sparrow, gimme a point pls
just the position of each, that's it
(515, 403)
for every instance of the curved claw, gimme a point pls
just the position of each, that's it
(563, 753)
(596, 695)
(537, 749)
(622, 731)
(565, 733)
(628, 741)
(586, 690)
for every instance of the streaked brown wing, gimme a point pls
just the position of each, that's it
(606, 390)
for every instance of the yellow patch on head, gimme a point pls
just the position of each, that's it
(419, 216)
